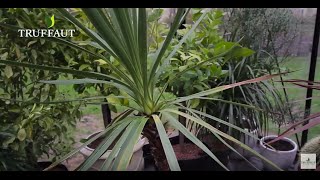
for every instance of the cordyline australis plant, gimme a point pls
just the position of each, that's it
(122, 32)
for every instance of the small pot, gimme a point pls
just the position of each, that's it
(283, 158)
(136, 163)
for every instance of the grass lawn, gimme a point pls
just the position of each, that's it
(72, 94)
(90, 109)
(295, 93)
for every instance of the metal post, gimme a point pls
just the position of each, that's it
(312, 69)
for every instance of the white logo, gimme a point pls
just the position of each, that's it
(308, 161)
(46, 32)
(50, 22)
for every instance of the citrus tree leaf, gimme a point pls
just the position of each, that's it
(22, 134)
(8, 71)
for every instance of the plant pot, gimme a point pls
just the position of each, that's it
(191, 158)
(284, 154)
(136, 162)
(201, 163)
(247, 140)
(44, 164)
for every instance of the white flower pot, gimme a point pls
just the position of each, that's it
(136, 162)
(284, 159)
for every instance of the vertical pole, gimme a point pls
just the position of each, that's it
(182, 119)
(312, 69)
(105, 109)
(106, 114)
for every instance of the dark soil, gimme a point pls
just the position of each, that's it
(188, 151)
(280, 145)
(216, 145)
(192, 158)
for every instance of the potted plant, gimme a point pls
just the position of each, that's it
(189, 156)
(282, 152)
(312, 145)
(195, 51)
(122, 32)
(259, 103)
(308, 122)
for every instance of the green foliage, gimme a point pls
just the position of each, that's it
(269, 29)
(269, 32)
(154, 14)
(30, 130)
(205, 44)
(13, 161)
(156, 31)
(236, 64)
(136, 72)
(202, 48)
(263, 96)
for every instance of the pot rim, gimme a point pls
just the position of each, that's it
(138, 145)
(295, 146)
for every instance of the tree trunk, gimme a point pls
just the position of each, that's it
(157, 152)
